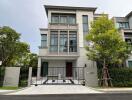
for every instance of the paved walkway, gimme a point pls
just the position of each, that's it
(115, 90)
(6, 91)
(56, 89)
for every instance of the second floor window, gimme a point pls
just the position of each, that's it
(63, 41)
(44, 40)
(73, 42)
(54, 41)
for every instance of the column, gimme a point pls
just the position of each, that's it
(68, 42)
(58, 42)
(39, 68)
(29, 76)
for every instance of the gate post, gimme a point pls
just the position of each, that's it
(29, 76)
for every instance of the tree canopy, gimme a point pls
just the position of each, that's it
(12, 50)
(106, 43)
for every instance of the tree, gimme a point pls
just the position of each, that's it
(106, 46)
(27, 60)
(10, 46)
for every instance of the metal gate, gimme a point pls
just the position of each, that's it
(59, 76)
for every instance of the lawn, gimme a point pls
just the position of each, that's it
(9, 88)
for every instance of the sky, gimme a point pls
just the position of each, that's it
(27, 16)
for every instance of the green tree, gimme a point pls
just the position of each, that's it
(10, 46)
(106, 46)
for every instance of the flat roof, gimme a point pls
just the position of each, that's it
(47, 7)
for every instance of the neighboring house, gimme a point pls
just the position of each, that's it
(63, 43)
(124, 24)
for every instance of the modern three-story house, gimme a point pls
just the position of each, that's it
(124, 25)
(63, 43)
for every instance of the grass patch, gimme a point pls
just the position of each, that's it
(9, 88)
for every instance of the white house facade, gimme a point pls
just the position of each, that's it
(63, 43)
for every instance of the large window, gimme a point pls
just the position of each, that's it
(54, 41)
(85, 24)
(73, 42)
(63, 18)
(44, 40)
(63, 41)
(123, 25)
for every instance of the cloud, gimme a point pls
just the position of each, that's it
(27, 16)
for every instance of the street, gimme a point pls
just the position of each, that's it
(119, 96)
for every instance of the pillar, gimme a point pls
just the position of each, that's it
(39, 68)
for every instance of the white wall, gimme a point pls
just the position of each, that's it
(90, 70)
(11, 76)
(130, 22)
(79, 15)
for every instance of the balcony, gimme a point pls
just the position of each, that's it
(63, 26)
(44, 52)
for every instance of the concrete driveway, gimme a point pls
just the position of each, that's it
(56, 89)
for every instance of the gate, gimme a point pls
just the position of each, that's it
(59, 76)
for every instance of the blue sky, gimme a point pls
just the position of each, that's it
(27, 16)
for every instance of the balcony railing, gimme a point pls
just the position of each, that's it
(63, 26)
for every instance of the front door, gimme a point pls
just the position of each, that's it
(44, 69)
(68, 69)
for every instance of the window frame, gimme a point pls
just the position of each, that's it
(85, 24)
(73, 37)
(63, 36)
(54, 40)
(44, 41)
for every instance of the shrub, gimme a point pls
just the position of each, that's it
(23, 80)
(23, 83)
(121, 77)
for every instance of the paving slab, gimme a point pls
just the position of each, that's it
(56, 89)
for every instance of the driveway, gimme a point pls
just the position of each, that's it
(56, 89)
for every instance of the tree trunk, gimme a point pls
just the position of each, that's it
(105, 77)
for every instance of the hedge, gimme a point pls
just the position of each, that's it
(121, 77)
(23, 80)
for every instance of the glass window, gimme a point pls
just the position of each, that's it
(72, 20)
(85, 19)
(55, 19)
(63, 41)
(73, 42)
(123, 25)
(85, 24)
(63, 19)
(54, 42)
(130, 64)
(44, 40)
